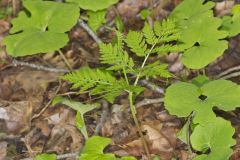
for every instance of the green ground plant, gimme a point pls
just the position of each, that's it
(191, 31)
(96, 11)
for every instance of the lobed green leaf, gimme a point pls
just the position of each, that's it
(44, 30)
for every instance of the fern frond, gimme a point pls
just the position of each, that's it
(156, 69)
(137, 43)
(149, 34)
(119, 41)
(117, 59)
(101, 82)
(167, 30)
(116, 56)
(86, 78)
(167, 48)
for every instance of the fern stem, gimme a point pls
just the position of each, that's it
(134, 115)
(143, 64)
(65, 60)
(125, 76)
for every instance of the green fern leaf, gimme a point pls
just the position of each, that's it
(137, 43)
(115, 56)
(86, 78)
(149, 34)
(119, 41)
(166, 28)
(156, 69)
(167, 48)
(100, 82)
(167, 31)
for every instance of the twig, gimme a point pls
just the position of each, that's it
(139, 129)
(17, 63)
(65, 60)
(105, 111)
(222, 74)
(48, 104)
(232, 75)
(149, 101)
(62, 156)
(151, 86)
(90, 32)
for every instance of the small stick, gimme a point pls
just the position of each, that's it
(16, 63)
(48, 104)
(224, 73)
(90, 32)
(151, 86)
(103, 118)
(149, 101)
(62, 156)
(232, 75)
(65, 60)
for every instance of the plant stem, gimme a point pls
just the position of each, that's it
(133, 108)
(143, 64)
(134, 113)
(65, 60)
(125, 76)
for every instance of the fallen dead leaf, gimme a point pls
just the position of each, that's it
(16, 116)
(159, 141)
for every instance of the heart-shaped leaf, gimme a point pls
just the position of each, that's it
(182, 99)
(232, 23)
(200, 34)
(43, 30)
(216, 137)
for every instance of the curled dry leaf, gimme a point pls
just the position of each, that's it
(158, 140)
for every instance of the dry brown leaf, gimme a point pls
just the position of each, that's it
(159, 141)
(134, 148)
(16, 116)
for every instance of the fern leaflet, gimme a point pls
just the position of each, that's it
(100, 82)
(149, 34)
(115, 56)
(167, 28)
(156, 69)
(137, 43)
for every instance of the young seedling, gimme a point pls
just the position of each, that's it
(103, 82)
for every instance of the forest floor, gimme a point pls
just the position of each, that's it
(30, 125)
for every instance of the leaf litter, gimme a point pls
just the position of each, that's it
(53, 131)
